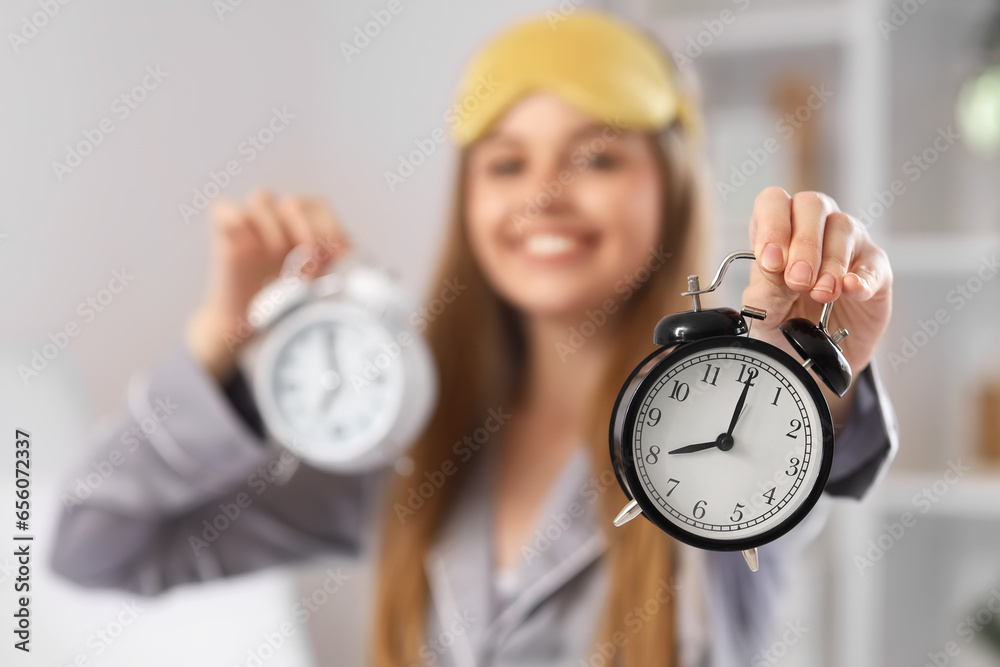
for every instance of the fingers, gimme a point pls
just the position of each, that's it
(839, 240)
(804, 243)
(789, 237)
(235, 236)
(809, 213)
(275, 232)
(330, 235)
(289, 209)
(870, 273)
(228, 220)
(324, 236)
(771, 232)
(277, 226)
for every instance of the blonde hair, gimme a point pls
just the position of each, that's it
(481, 370)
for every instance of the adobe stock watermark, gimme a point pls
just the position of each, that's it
(276, 471)
(924, 500)
(967, 629)
(697, 44)
(247, 151)
(791, 634)
(8, 570)
(559, 523)
(581, 158)
(104, 637)
(161, 411)
(121, 108)
(597, 318)
(370, 30)
(275, 290)
(419, 319)
(408, 163)
(899, 16)
(634, 622)
(225, 7)
(462, 452)
(271, 642)
(432, 650)
(31, 24)
(962, 294)
(87, 310)
(913, 169)
(786, 127)
(562, 11)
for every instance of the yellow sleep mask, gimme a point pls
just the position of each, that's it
(598, 64)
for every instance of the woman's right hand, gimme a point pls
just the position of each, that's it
(249, 245)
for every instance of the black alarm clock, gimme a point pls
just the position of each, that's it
(725, 441)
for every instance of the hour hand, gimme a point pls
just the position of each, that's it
(694, 448)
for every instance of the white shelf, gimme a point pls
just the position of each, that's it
(938, 253)
(976, 495)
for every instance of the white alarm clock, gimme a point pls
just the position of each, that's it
(340, 376)
(725, 441)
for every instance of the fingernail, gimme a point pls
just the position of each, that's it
(859, 280)
(826, 283)
(772, 258)
(801, 273)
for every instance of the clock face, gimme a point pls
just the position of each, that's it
(336, 379)
(729, 443)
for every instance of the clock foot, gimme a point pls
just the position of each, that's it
(629, 512)
(750, 555)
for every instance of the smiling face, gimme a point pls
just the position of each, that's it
(561, 207)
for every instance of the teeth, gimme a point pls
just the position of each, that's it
(549, 244)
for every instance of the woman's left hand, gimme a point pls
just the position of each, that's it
(810, 253)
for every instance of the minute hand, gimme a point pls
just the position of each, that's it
(739, 408)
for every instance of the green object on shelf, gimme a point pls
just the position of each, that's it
(991, 635)
(979, 111)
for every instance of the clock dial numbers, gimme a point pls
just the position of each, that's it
(751, 374)
(680, 391)
(793, 467)
(719, 489)
(699, 509)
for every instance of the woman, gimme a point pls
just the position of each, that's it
(578, 187)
